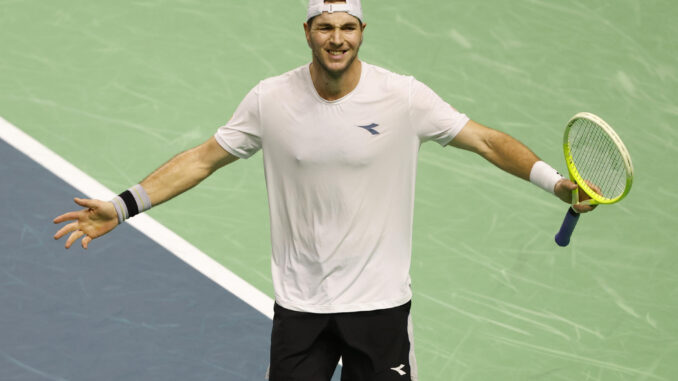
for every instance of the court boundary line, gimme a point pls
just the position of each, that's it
(144, 223)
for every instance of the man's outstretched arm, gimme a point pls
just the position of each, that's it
(179, 174)
(511, 156)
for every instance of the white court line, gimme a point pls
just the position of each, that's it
(142, 222)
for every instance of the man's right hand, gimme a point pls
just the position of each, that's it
(97, 219)
(563, 190)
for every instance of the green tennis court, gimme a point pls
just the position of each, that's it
(117, 88)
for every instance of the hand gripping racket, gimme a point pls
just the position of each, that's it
(595, 156)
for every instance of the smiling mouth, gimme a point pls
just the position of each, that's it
(336, 53)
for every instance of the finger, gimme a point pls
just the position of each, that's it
(66, 229)
(86, 241)
(571, 185)
(594, 187)
(583, 208)
(585, 198)
(66, 217)
(74, 237)
(87, 203)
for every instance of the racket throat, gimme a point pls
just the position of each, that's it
(575, 196)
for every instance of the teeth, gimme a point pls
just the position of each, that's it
(336, 52)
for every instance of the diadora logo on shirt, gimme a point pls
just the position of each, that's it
(371, 128)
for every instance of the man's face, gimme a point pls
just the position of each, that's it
(334, 39)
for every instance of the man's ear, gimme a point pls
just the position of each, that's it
(307, 32)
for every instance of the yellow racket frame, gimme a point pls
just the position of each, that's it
(574, 173)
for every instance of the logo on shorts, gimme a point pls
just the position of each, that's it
(399, 369)
(371, 129)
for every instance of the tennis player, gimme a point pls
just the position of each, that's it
(340, 139)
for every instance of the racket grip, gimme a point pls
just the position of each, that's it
(566, 229)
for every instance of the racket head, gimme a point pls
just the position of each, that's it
(595, 153)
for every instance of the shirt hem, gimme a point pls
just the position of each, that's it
(341, 308)
(228, 148)
(465, 119)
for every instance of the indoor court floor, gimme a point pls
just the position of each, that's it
(95, 92)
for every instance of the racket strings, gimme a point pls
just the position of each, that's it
(597, 158)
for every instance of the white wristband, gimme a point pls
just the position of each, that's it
(544, 176)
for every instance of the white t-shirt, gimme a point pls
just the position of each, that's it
(340, 179)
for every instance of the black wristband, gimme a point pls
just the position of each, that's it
(131, 204)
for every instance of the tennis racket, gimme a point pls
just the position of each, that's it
(596, 158)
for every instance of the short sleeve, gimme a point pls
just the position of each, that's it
(432, 117)
(241, 136)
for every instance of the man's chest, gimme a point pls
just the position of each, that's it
(348, 134)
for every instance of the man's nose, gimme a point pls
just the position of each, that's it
(336, 37)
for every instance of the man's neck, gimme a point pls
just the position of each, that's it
(332, 88)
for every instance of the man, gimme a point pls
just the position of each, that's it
(340, 140)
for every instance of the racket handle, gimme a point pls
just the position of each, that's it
(566, 229)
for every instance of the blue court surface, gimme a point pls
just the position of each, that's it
(126, 309)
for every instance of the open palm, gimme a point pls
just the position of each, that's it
(97, 219)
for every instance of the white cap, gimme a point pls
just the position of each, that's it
(317, 7)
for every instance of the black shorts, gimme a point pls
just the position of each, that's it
(373, 345)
